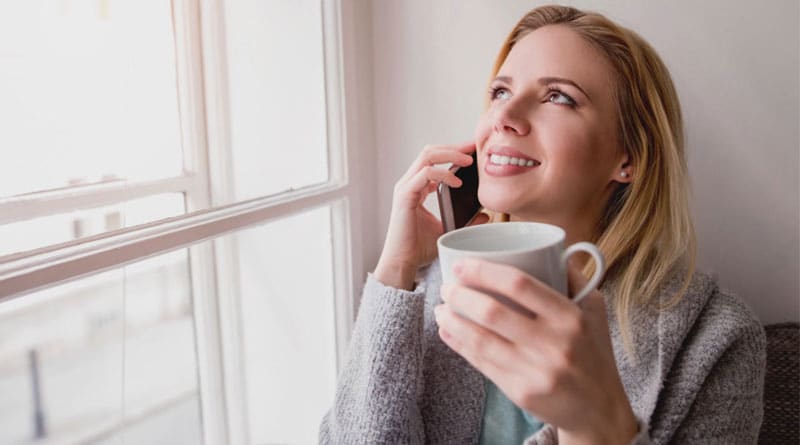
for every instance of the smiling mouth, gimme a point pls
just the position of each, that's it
(496, 159)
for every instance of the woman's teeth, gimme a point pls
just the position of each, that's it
(505, 160)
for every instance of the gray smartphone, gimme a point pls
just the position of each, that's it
(458, 206)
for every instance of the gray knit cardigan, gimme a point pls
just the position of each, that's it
(699, 377)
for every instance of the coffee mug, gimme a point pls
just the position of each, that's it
(535, 248)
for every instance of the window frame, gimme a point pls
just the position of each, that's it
(203, 98)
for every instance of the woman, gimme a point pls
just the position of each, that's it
(657, 355)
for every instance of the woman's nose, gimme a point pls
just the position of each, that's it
(509, 117)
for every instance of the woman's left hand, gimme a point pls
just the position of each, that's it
(557, 365)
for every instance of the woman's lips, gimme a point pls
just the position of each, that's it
(505, 150)
(509, 169)
(506, 170)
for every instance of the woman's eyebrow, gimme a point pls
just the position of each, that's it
(551, 80)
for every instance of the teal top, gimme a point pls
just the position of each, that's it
(503, 422)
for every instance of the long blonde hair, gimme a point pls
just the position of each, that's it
(646, 233)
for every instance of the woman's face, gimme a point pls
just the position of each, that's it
(552, 104)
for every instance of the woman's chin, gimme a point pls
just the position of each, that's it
(497, 202)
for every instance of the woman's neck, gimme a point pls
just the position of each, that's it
(575, 231)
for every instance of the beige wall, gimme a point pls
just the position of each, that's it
(735, 65)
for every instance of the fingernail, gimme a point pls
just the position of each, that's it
(449, 340)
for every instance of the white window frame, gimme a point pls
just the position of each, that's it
(200, 52)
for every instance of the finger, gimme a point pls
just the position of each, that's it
(420, 181)
(516, 285)
(499, 360)
(488, 368)
(441, 154)
(419, 166)
(431, 187)
(518, 328)
(486, 351)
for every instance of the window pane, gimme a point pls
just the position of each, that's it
(39, 232)
(285, 281)
(162, 402)
(89, 93)
(113, 355)
(277, 95)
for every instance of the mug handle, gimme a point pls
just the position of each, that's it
(592, 250)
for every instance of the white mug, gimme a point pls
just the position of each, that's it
(535, 248)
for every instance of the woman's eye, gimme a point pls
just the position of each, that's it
(559, 98)
(499, 93)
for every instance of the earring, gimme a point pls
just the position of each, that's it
(624, 174)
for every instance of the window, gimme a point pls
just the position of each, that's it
(101, 357)
(175, 216)
(92, 121)
(92, 98)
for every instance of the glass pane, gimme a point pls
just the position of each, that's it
(40, 232)
(285, 280)
(277, 95)
(62, 355)
(162, 401)
(106, 359)
(89, 93)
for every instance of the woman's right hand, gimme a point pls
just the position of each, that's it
(413, 230)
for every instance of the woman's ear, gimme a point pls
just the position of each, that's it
(624, 171)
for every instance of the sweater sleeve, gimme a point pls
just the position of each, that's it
(729, 407)
(380, 385)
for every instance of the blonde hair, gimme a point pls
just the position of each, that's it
(646, 233)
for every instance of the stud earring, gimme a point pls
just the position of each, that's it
(624, 174)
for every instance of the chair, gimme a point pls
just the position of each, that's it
(781, 424)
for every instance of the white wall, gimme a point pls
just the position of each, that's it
(735, 65)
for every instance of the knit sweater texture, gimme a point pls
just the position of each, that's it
(698, 378)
